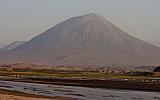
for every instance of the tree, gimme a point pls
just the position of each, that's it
(157, 69)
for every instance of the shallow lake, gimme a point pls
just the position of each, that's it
(79, 93)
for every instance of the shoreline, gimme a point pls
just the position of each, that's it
(17, 93)
(149, 86)
(12, 95)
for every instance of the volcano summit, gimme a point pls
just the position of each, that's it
(84, 41)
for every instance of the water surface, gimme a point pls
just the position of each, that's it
(80, 93)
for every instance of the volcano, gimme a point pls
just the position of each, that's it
(84, 41)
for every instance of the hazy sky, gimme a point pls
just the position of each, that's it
(24, 19)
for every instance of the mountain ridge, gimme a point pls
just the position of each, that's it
(13, 45)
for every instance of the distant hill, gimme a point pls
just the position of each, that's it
(12, 46)
(88, 40)
(2, 45)
(157, 44)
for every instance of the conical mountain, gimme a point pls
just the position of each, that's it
(84, 40)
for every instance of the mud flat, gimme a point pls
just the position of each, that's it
(152, 85)
(15, 95)
(74, 92)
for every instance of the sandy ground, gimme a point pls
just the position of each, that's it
(13, 95)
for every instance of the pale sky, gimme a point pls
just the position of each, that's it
(24, 19)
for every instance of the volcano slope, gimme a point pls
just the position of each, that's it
(84, 41)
